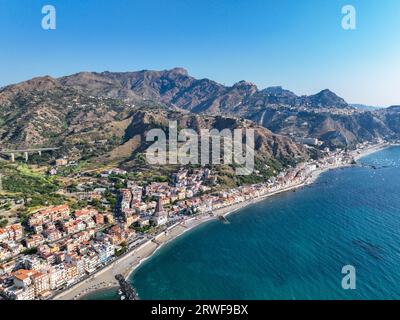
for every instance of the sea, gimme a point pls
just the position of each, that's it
(295, 245)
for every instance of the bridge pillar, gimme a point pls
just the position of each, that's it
(26, 156)
(12, 157)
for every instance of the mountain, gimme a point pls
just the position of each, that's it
(333, 129)
(176, 88)
(173, 87)
(278, 95)
(77, 116)
(42, 112)
(267, 144)
(391, 117)
(89, 107)
(392, 109)
(364, 107)
(326, 99)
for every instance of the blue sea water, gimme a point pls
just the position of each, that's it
(293, 245)
(105, 294)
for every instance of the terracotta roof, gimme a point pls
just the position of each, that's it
(23, 274)
(54, 209)
(37, 275)
(83, 212)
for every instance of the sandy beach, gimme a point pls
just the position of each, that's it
(126, 265)
(357, 155)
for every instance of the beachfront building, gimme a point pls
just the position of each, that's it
(18, 293)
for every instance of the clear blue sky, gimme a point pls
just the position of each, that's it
(297, 44)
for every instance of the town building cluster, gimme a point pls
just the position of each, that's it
(57, 247)
(145, 205)
(10, 241)
(67, 247)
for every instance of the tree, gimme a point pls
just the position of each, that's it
(3, 223)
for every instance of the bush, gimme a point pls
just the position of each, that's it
(3, 223)
(30, 251)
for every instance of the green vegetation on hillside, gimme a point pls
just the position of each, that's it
(21, 179)
(36, 188)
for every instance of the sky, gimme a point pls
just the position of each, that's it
(299, 45)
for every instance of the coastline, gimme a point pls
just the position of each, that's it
(127, 264)
(358, 155)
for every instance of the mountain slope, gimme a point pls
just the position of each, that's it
(335, 130)
(176, 88)
(93, 107)
(46, 112)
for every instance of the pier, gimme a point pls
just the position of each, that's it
(126, 288)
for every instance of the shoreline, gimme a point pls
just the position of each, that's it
(128, 264)
(363, 153)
